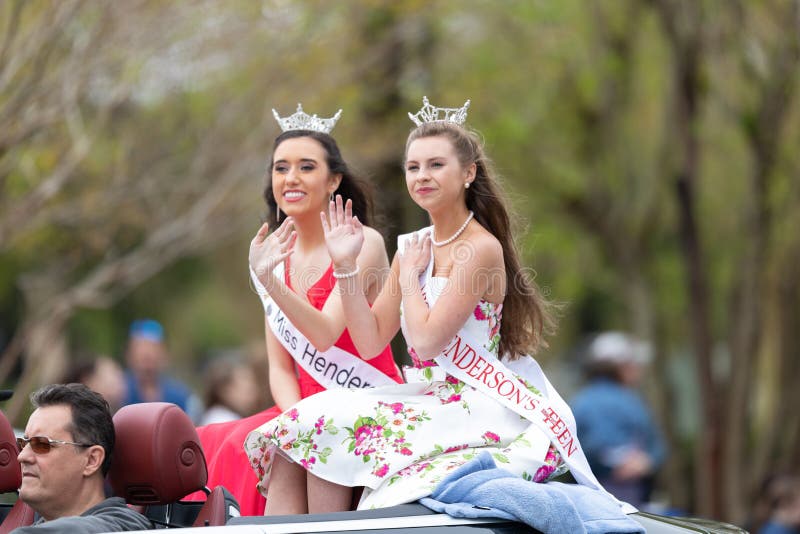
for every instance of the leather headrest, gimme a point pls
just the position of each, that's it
(157, 458)
(10, 472)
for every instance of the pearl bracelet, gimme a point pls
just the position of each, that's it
(346, 275)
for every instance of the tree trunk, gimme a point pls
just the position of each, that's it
(683, 24)
(707, 469)
(708, 474)
(776, 93)
(46, 358)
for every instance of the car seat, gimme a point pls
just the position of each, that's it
(158, 460)
(19, 514)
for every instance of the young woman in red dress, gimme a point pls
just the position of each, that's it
(306, 170)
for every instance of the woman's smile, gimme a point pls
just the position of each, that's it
(293, 195)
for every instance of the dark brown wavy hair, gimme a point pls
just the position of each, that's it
(527, 314)
(353, 187)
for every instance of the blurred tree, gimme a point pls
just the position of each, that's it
(649, 144)
(638, 134)
(104, 181)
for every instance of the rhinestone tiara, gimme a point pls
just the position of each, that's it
(430, 113)
(303, 121)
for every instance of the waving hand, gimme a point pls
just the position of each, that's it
(344, 233)
(267, 251)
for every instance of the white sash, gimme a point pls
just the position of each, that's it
(468, 360)
(333, 368)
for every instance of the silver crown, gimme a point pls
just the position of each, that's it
(303, 121)
(430, 113)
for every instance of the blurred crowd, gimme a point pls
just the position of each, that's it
(618, 431)
(230, 388)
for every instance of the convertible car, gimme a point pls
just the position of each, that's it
(415, 518)
(159, 461)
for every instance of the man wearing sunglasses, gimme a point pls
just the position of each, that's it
(65, 455)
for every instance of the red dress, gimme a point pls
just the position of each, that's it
(228, 464)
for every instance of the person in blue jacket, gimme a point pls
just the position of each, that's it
(777, 505)
(145, 377)
(619, 435)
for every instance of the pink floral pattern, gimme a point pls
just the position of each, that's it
(449, 391)
(401, 441)
(303, 444)
(490, 438)
(491, 314)
(372, 438)
(553, 467)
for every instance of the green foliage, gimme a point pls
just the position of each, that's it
(575, 99)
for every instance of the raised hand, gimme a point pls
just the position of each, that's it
(415, 256)
(267, 251)
(344, 233)
(634, 465)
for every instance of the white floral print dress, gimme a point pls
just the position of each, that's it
(401, 441)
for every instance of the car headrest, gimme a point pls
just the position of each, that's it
(157, 457)
(10, 472)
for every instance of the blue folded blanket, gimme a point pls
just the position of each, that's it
(480, 489)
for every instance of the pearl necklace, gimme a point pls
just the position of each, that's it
(454, 236)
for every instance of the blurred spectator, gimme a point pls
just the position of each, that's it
(103, 375)
(145, 378)
(615, 427)
(777, 508)
(231, 390)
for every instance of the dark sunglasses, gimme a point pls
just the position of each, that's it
(43, 444)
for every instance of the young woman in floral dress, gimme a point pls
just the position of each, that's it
(306, 168)
(459, 277)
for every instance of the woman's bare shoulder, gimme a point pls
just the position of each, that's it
(371, 234)
(374, 246)
(488, 249)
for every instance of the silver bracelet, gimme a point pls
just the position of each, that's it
(345, 275)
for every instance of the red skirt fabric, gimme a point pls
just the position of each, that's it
(227, 462)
